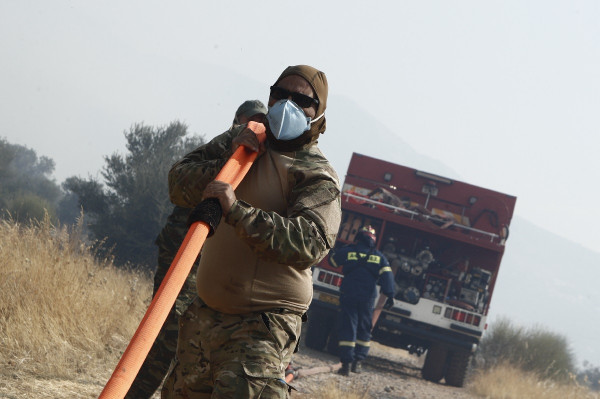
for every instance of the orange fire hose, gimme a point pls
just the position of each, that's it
(119, 383)
(300, 373)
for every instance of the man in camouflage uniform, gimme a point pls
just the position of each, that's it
(169, 240)
(254, 278)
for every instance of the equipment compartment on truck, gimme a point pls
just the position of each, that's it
(444, 240)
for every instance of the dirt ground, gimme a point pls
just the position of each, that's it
(387, 374)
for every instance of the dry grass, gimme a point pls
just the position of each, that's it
(508, 382)
(63, 315)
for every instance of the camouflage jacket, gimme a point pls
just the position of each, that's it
(285, 220)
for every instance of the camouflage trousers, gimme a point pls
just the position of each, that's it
(232, 356)
(157, 363)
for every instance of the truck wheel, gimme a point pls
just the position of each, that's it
(435, 363)
(318, 328)
(458, 363)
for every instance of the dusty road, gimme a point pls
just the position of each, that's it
(387, 374)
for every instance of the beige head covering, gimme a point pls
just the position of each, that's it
(318, 82)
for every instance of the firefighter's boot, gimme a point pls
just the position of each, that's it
(345, 369)
(356, 367)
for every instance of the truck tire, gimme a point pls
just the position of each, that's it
(458, 364)
(317, 331)
(435, 363)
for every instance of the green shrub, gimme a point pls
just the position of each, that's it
(29, 207)
(589, 376)
(533, 349)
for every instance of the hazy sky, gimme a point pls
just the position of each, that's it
(506, 93)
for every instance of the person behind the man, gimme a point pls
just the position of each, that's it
(250, 110)
(363, 266)
(254, 279)
(169, 240)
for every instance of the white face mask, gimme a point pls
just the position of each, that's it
(287, 121)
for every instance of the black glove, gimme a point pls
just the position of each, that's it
(208, 211)
(389, 303)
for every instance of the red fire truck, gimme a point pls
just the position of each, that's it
(444, 240)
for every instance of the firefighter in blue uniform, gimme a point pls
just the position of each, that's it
(363, 266)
